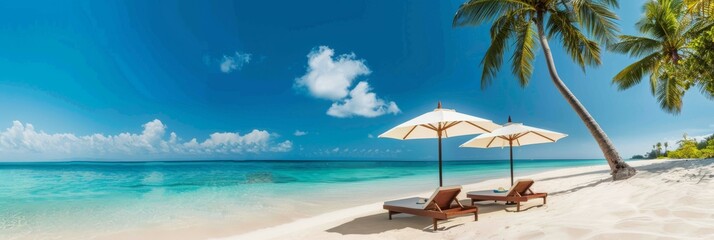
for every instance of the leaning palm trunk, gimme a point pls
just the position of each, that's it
(619, 168)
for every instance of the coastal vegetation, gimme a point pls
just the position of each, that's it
(687, 148)
(675, 48)
(581, 26)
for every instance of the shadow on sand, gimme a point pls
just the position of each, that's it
(379, 223)
(574, 175)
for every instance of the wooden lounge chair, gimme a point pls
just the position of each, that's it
(438, 207)
(520, 192)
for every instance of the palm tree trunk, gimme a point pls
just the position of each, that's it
(675, 57)
(619, 169)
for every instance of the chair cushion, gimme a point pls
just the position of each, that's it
(414, 203)
(487, 193)
(422, 203)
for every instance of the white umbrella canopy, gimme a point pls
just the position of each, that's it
(513, 134)
(451, 122)
(440, 123)
(516, 134)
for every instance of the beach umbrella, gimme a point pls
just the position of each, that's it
(513, 135)
(440, 123)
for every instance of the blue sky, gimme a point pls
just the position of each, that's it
(137, 80)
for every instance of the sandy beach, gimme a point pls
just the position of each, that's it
(667, 199)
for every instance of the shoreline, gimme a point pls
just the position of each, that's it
(199, 201)
(347, 210)
(355, 221)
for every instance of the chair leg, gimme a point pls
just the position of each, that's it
(472, 202)
(544, 200)
(475, 216)
(390, 215)
(435, 226)
(518, 206)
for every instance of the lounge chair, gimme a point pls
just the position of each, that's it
(520, 192)
(438, 207)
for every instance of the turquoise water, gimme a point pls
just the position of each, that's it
(92, 199)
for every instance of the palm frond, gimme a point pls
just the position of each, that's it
(609, 3)
(526, 45)
(635, 46)
(597, 19)
(633, 74)
(492, 60)
(654, 77)
(476, 12)
(581, 49)
(706, 87)
(669, 95)
(661, 18)
(700, 26)
(700, 8)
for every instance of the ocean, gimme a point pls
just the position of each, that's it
(70, 200)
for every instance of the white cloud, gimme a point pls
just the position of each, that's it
(330, 78)
(700, 137)
(362, 102)
(22, 139)
(299, 133)
(234, 62)
(285, 146)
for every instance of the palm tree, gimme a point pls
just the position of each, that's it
(659, 148)
(527, 22)
(684, 140)
(665, 147)
(667, 30)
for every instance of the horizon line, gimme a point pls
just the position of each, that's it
(290, 160)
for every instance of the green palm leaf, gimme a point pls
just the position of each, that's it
(597, 19)
(706, 87)
(492, 60)
(581, 49)
(669, 94)
(635, 46)
(522, 60)
(633, 74)
(476, 12)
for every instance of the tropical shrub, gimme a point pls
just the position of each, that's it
(687, 149)
(708, 151)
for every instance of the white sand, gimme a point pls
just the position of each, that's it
(665, 200)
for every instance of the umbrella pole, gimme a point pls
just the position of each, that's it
(510, 144)
(440, 179)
